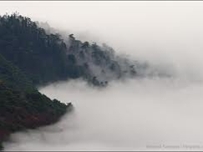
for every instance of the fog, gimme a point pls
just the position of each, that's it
(151, 113)
(131, 115)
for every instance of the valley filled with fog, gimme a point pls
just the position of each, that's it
(140, 113)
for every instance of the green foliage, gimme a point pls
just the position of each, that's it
(28, 57)
(45, 57)
(13, 77)
(42, 57)
(21, 109)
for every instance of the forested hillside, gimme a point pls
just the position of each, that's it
(46, 57)
(31, 57)
(21, 105)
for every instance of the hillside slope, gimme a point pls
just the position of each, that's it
(21, 105)
(45, 57)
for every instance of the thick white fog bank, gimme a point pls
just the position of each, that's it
(145, 113)
(132, 115)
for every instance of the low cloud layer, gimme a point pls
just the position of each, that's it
(130, 115)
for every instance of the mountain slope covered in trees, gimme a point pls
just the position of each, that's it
(31, 56)
(46, 57)
(21, 105)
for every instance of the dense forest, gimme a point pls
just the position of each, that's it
(30, 56)
(21, 105)
(46, 57)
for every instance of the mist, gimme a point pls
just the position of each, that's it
(145, 113)
(131, 115)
